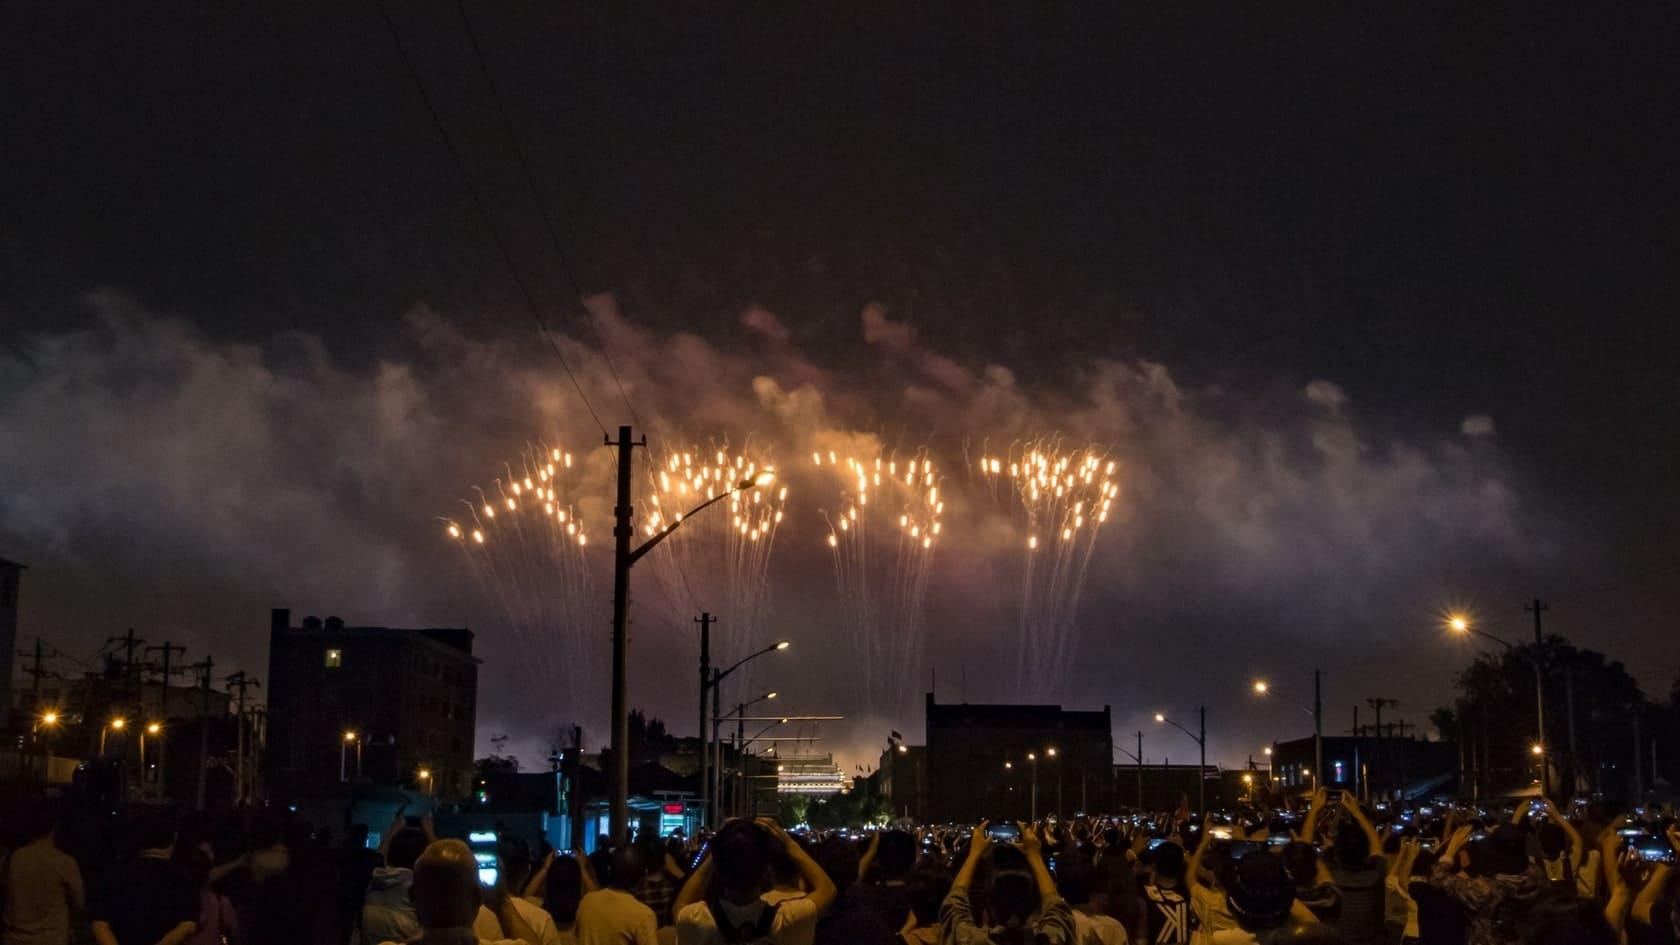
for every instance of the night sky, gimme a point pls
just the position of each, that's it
(1374, 308)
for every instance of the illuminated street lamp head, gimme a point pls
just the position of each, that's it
(1306, 772)
(1031, 756)
(49, 718)
(763, 477)
(771, 694)
(117, 724)
(1537, 749)
(153, 728)
(424, 774)
(1458, 623)
(1248, 779)
(1051, 751)
(1009, 766)
(1159, 717)
(349, 736)
(904, 749)
(1267, 750)
(1260, 686)
(783, 644)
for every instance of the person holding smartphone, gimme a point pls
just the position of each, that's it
(1022, 905)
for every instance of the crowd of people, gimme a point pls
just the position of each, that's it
(1337, 872)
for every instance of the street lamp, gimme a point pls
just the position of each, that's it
(712, 756)
(350, 735)
(1201, 743)
(115, 725)
(624, 558)
(1032, 762)
(425, 774)
(1051, 752)
(1316, 710)
(739, 715)
(154, 729)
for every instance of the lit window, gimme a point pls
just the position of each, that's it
(335, 659)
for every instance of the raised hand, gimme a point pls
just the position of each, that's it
(1031, 843)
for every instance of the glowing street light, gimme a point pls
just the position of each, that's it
(1462, 625)
(425, 774)
(1201, 743)
(1316, 710)
(49, 718)
(115, 725)
(350, 735)
(1537, 750)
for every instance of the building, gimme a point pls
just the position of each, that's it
(1165, 786)
(372, 704)
(11, 580)
(1372, 767)
(1010, 761)
(811, 775)
(902, 779)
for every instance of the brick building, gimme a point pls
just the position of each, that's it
(404, 699)
(988, 761)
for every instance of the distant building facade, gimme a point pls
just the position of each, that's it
(978, 763)
(903, 780)
(405, 700)
(1374, 767)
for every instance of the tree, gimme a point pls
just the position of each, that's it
(792, 809)
(1590, 701)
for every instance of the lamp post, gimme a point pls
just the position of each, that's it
(115, 725)
(44, 726)
(425, 774)
(624, 558)
(350, 736)
(1032, 762)
(154, 729)
(1316, 710)
(1201, 743)
(1051, 752)
(739, 715)
(1462, 625)
(714, 750)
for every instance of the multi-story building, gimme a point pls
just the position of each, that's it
(1010, 761)
(378, 704)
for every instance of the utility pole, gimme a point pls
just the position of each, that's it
(1318, 725)
(705, 620)
(1140, 770)
(1201, 772)
(204, 667)
(1378, 703)
(167, 649)
(1358, 782)
(36, 674)
(131, 666)
(1537, 608)
(623, 530)
(575, 797)
(241, 682)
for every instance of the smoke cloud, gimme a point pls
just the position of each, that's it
(160, 478)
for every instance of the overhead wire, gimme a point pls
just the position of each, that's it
(542, 206)
(484, 212)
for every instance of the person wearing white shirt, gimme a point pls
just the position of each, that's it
(728, 887)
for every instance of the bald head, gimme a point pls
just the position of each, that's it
(445, 891)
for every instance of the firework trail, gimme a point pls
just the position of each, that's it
(528, 549)
(719, 561)
(883, 537)
(1056, 503)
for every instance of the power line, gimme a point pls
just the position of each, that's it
(484, 212)
(542, 207)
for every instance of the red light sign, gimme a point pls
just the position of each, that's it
(673, 808)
